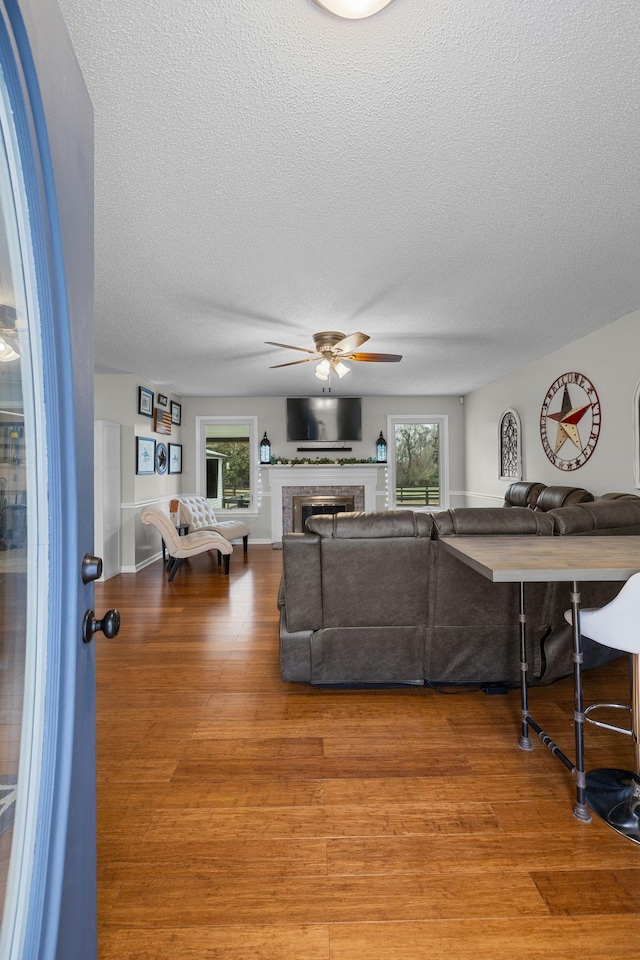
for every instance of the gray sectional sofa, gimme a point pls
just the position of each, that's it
(374, 598)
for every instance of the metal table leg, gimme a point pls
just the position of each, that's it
(525, 741)
(580, 810)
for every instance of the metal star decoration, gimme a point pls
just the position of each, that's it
(568, 419)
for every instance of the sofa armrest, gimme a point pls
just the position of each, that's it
(553, 497)
(302, 581)
(608, 518)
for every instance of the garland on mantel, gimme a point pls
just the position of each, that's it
(301, 461)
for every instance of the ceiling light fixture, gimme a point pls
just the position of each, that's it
(340, 368)
(353, 9)
(7, 353)
(323, 369)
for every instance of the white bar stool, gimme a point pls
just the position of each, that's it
(614, 795)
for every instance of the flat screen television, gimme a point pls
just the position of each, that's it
(331, 419)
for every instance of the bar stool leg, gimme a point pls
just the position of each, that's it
(614, 795)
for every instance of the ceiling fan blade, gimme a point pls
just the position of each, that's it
(292, 363)
(374, 357)
(352, 342)
(288, 346)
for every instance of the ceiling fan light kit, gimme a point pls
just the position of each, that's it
(331, 349)
(340, 368)
(323, 370)
(353, 9)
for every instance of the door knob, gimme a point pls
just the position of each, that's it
(109, 625)
(91, 568)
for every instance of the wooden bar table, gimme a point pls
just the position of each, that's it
(506, 559)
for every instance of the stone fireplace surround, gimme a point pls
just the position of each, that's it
(357, 480)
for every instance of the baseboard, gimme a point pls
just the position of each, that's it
(158, 556)
(140, 566)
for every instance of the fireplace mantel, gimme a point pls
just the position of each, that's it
(319, 475)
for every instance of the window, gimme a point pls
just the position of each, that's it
(509, 433)
(418, 458)
(227, 467)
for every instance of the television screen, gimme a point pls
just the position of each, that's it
(333, 419)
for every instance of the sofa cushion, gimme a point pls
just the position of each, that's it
(487, 522)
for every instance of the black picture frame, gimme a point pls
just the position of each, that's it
(145, 402)
(162, 458)
(161, 400)
(175, 458)
(176, 413)
(145, 456)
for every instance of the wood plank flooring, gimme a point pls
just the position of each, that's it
(242, 817)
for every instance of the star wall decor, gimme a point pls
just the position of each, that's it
(569, 431)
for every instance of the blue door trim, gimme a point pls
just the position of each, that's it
(42, 931)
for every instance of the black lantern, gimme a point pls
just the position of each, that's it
(381, 449)
(265, 449)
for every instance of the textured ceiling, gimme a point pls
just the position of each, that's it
(457, 178)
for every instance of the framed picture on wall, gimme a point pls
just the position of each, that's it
(145, 455)
(161, 400)
(145, 402)
(161, 458)
(176, 413)
(175, 458)
(162, 422)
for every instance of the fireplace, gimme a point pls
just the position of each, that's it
(324, 480)
(306, 506)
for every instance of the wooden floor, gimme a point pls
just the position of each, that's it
(242, 817)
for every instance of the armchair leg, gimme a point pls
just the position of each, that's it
(227, 557)
(245, 542)
(174, 568)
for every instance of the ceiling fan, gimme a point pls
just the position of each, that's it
(332, 348)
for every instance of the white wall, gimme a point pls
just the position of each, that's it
(271, 414)
(610, 358)
(116, 399)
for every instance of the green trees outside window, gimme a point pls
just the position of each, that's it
(417, 464)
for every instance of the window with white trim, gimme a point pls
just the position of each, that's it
(227, 462)
(418, 453)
